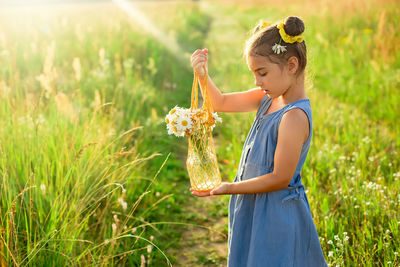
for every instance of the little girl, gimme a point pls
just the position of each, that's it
(270, 222)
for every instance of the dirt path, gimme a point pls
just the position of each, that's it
(205, 244)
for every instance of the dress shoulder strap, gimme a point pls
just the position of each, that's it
(263, 104)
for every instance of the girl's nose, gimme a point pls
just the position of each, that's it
(257, 82)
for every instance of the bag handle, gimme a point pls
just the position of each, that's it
(207, 106)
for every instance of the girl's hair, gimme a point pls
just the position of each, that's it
(263, 38)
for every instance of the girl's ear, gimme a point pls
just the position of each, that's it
(292, 64)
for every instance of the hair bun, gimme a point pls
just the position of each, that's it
(294, 26)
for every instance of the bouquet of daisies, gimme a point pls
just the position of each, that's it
(184, 121)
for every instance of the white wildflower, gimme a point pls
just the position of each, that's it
(142, 261)
(330, 242)
(43, 188)
(216, 117)
(149, 248)
(114, 228)
(277, 48)
(181, 121)
(330, 254)
(123, 203)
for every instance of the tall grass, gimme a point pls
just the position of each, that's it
(83, 93)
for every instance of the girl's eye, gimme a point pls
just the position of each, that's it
(263, 74)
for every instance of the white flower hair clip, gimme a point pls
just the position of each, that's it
(277, 48)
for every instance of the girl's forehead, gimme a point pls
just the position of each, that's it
(257, 62)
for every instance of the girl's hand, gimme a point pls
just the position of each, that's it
(222, 189)
(199, 62)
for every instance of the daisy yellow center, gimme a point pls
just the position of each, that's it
(173, 111)
(184, 123)
(167, 121)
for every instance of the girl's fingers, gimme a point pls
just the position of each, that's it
(199, 62)
(197, 58)
(199, 193)
(199, 53)
(199, 65)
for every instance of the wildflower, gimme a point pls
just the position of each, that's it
(114, 228)
(330, 242)
(134, 230)
(277, 48)
(142, 261)
(106, 241)
(43, 188)
(123, 203)
(149, 248)
(181, 121)
(330, 254)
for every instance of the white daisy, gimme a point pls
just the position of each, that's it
(216, 117)
(184, 123)
(277, 48)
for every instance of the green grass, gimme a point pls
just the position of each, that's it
(83, 101)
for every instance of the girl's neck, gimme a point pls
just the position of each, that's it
(295, 92)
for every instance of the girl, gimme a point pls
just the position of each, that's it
(270, 222)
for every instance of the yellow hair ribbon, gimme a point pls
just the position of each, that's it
(287, 38)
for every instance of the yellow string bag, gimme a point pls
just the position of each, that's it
(201, 163)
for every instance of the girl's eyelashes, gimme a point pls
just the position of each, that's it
(263, 74)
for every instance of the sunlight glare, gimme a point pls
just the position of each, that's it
(149, 26)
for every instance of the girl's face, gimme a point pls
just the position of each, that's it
(269, 76)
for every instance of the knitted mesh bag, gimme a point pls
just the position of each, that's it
(201, 163)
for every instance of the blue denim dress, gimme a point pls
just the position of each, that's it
(274, 228)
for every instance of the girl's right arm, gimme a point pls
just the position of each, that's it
(229, 102)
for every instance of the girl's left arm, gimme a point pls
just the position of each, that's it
(293, 132)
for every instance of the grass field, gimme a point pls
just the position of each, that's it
(89, 176)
